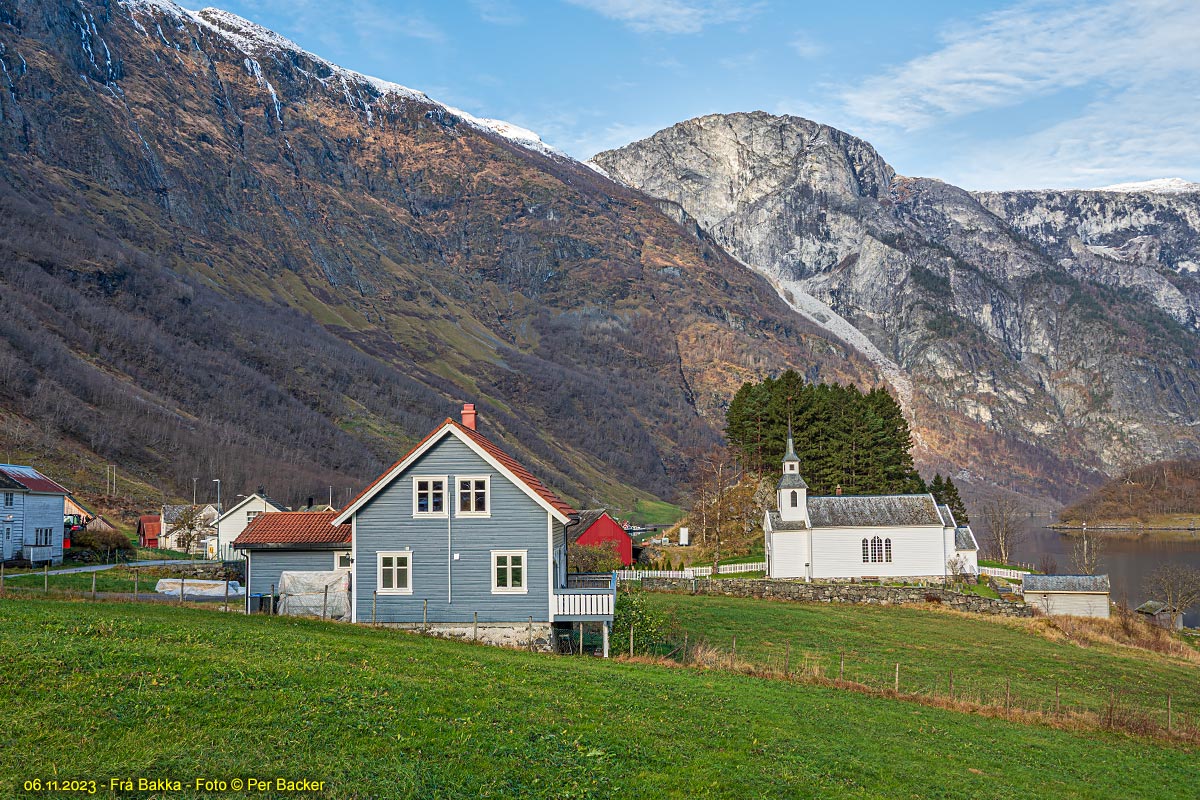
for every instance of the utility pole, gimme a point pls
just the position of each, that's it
(194, 490)
(217, 481)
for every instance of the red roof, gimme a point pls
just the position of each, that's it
(490, 447)
(150, 524)
(31, 479)
(293, 527)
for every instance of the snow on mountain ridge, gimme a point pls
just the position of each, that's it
(253, 39)
(1158, 186)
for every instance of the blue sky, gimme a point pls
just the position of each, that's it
(984, 95)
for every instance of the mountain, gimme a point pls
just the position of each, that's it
(1040, 340)
(1165, 494)
(224, 257)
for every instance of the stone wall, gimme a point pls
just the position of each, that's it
(838, 593)
(515, 635)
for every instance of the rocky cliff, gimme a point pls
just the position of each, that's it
(1038, 339)
(222, 256)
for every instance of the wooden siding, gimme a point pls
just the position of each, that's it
(45, 511)
(605, 530)
(837, 552)
(1071, 604)
(517, 522)
(13, 530)
(266, 565)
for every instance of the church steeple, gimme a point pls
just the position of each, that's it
(793, 491)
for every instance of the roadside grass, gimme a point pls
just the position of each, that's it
(113, 689)
(116, 579)
(1032, 658)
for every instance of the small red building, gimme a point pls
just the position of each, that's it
(148, 529)
(596, 527)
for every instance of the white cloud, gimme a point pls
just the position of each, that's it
(1033, 50)
(671, 16)
(806, 47)
(498, 12)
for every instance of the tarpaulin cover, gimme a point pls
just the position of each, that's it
(198, 589)
(302, 594)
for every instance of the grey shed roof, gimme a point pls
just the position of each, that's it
(1065, 583)
(873, 511)
(947, 516)
(778, 524)
(1151, 607)
(964, 539)
(792, 482)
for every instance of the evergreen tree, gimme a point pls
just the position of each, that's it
(956, 504)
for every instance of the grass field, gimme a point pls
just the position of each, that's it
(983, 652)
(116, 579)
(99, 690)
(656, 512)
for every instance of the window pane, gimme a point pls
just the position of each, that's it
(516, 561)
(464, 501)
(516, 577)
(388, 577)
(423, 502)
(481, 501)
(501, 577)
(437, 502)
(402, 573)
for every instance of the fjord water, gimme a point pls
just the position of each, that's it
(1128, 562)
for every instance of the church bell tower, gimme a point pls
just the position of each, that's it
(793, 491)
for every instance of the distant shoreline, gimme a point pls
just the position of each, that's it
(1130, 530)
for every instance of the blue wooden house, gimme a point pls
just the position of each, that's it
(459, 537)
(31, 515)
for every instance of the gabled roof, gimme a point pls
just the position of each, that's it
(964, 538)
(171, 513)
(31, 480)
(485, 448)
(868, 511)
(947, 516)
(268, 501)
(149, 524)
(792, 481)
(1151, 607)
(588, 518)
(1065, 583)
(276, 528)
(7, 484)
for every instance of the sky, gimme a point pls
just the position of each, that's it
(984, 95)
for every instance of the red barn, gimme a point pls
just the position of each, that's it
(148, 529)
(596, 527)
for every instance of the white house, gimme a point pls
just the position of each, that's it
(230, 524)
(172, 527)
(854, 537)
(31, 515)
(1068, 595)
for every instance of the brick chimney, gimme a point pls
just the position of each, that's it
(468, 415)
(838, 490)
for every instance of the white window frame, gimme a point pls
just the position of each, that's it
(43, 533)
(337, 561)
(382, 554)
(524, 587)
(252, 515)
(447, 497)
(487, 495)
(9, 499)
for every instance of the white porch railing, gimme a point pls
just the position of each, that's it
(37, 552)
(1000, 572)
(583, 604)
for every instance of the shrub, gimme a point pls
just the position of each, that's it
(593, 558)
(100, 541)
(649, 624)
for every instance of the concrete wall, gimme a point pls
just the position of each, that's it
(455, 588)
(1071, 604)
(838, 593)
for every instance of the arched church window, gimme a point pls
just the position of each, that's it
(876, 550)
(795, 499)
(887, 550)
(866, 551)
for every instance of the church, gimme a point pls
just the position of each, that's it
(864, 537)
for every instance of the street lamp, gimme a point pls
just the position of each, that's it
(194, 491)
(217, 481)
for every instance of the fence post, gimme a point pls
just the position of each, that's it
(1168, 712)
(842, 666)
(425, 615)
(631, 638)
(951, 686)
(227, 592)
(1111, 705)
(475, 628)
(93, 586)
(325, 602)
(374, 600)
(896, 685)
(1, 576)
(685, 648)
(271, 603)
(581, 638)
(182, 580)
(1007, 694)
(531, 633)
(46, 577)
(135, 584)
(787, 660)
(1057, 701)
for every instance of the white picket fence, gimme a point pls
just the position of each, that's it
(689, 572)
(999, 572)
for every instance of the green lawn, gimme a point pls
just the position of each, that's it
(982, 651)
(116, 579)
(113, 689)
(656, 512)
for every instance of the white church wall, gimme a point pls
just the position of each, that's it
(917, 551)
(788, 554)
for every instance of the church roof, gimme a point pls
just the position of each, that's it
(780, 524)
(790, 455)
(964, 539)
(864, 511)
(792, 481)
(947, 516)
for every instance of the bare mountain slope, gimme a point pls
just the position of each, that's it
(1048, 337)
(221, 256)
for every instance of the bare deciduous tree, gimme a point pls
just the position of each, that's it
(1002, 517)
(1086, 548)
(1176, 585)
(187, 528)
